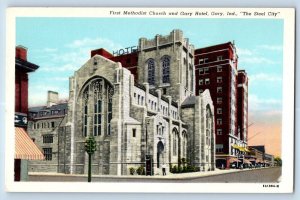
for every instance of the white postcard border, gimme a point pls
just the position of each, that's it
(286, 184)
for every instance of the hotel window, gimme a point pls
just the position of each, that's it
(219, 100)
(201, 61)
(201, 71)
(219, 131)
(48, 153)
(166, 69)
(219, 148)
(219, 121)
(219, 58)
(206, 70)
(219, 69)
(207, 81)
(219, 79)
(47, 139)
(219, 89)
(219, 111)
(201, 82)
(133, 132)
(151, 72)
(205, 60)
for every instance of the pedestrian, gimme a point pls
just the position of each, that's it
(164, 169)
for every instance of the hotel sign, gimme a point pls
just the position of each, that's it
(126, 50)
(20, 119)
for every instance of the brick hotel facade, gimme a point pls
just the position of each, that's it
(216, 69)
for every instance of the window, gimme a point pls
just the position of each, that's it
(142, 100)
(219, 110)
(219, 69)
(219, 121)
(201, 82)
(219, 148)
(200, 91)
(219, 131)
(52, 124)
(205, 60)
(151, 72)
(85, 113)
(219, 79)
(97, 103)
(109, 110)
(47, 138)
(206, 70)
(139, 99)
(201, 71)
(164, 91)
(219, 58)
(207, 81)
(133, 132)
(166, 69)
(48, 153)
(219, 100)
(175, 139)
(201, 61)
(219, 89)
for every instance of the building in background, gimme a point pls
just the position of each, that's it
(25, 148)
(216, 69)
(43, 125)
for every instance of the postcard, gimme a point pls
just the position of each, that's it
(168, 100)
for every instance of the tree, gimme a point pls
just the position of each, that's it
(278, 161)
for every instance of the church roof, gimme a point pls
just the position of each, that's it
(189, 102)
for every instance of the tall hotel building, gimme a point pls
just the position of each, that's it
(216, 69)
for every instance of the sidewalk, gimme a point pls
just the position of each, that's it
(168, 176)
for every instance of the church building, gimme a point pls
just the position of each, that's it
(138, 104)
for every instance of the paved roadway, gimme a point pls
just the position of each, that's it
(224, 176)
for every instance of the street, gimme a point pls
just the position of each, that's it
(220, 176)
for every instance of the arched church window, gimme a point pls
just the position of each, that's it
(166, 69)
(98, 96)
(151, 72)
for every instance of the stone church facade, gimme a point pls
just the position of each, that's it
(155, 113)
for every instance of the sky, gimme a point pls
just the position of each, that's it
(62, 45)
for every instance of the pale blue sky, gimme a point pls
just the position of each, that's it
(62, 45)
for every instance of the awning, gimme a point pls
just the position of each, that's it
(25, 147)
(247, 161)
(231, 160)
